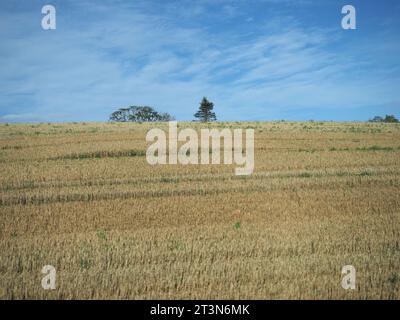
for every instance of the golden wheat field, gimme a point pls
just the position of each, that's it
(82, 198)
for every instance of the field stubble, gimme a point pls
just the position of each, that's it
(81, 197)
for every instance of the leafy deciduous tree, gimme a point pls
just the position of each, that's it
(139, 114)
(388, 118)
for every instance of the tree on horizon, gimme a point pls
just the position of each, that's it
(205, 113)
(139, 114)
(388, 118)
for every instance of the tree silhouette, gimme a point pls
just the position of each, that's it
(205, 113)
(139, 114)
(388, 118)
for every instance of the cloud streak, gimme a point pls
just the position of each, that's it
(100, 59)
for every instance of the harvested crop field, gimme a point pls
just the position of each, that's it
(82, 198)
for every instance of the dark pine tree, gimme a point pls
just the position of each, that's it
(205, 113)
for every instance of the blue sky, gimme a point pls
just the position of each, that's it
(256, 60)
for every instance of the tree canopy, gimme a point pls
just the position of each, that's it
(388, 118)
(139, 114)
(205, 113)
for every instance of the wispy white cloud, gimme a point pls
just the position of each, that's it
(100, 59)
